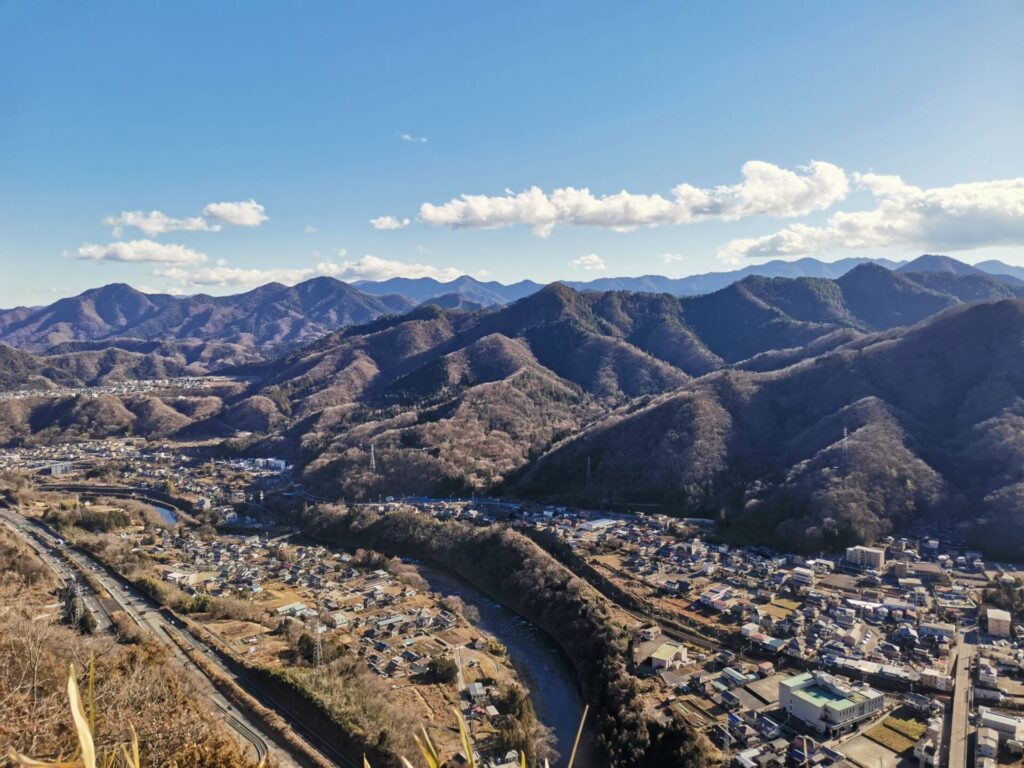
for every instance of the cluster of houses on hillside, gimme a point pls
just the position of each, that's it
(127, 387)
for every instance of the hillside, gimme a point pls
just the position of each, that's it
(933, 418)
(465, 401)
(88, 364)
(456, 401)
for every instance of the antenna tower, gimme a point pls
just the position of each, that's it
(318, 645)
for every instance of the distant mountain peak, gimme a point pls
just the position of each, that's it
(934, 262)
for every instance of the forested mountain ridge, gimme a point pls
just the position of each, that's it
(727, 404)
(274, 317)
(932, 419)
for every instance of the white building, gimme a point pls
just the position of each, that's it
(1007, 727)
(928, 749)
(803, 575)
(827, 703)
(998, 622)
(866, 557)
(669, 655)
(937, 630)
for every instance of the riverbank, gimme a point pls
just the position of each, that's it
(540, 663)
(517, 573)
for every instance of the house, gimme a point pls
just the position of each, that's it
(476, 692)
(338, 619)
(938, 631)
(988, 742)
(668, 655)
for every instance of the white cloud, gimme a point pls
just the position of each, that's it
(766, 189)
(412, 139)
(367, 268)
(589, 263)
(141, 251)
(960, 217)
(310, 229)
(389, 222)
(375, 268)
(672, 258)
(157, 223)
(235, 277)
(246, 213)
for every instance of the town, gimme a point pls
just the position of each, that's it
(898, 653)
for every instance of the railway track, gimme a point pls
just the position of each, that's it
(68, 563)
(247, 733)
(293, 719)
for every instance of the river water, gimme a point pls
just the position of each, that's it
(540, 663)
(168, 515)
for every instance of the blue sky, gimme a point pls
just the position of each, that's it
(309, 116)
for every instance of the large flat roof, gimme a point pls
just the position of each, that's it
(821, 697)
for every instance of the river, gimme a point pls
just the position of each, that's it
(540, 663)
(169, 515)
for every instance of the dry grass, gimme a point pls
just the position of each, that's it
(909, 727)
(137, 695)
(128, 755)
(889, 738)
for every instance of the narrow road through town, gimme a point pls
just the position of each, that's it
(961, 703)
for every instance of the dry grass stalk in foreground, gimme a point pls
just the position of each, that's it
(88, 756)
(128, 754)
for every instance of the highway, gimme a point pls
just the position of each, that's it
(138, 609)
(961, 703)
(66, 575)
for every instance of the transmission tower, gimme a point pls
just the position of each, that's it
(75, 604)
(589, 485)
(318, 645)
(846, 450)
(373, 461)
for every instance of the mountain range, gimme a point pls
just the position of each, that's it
(835, 410)
(274, 318)
(267, 317)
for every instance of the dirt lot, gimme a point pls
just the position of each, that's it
(871, 754)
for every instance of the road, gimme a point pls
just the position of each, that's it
(138, 609)
(460, 680)
(961, 703)
(61, 570)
